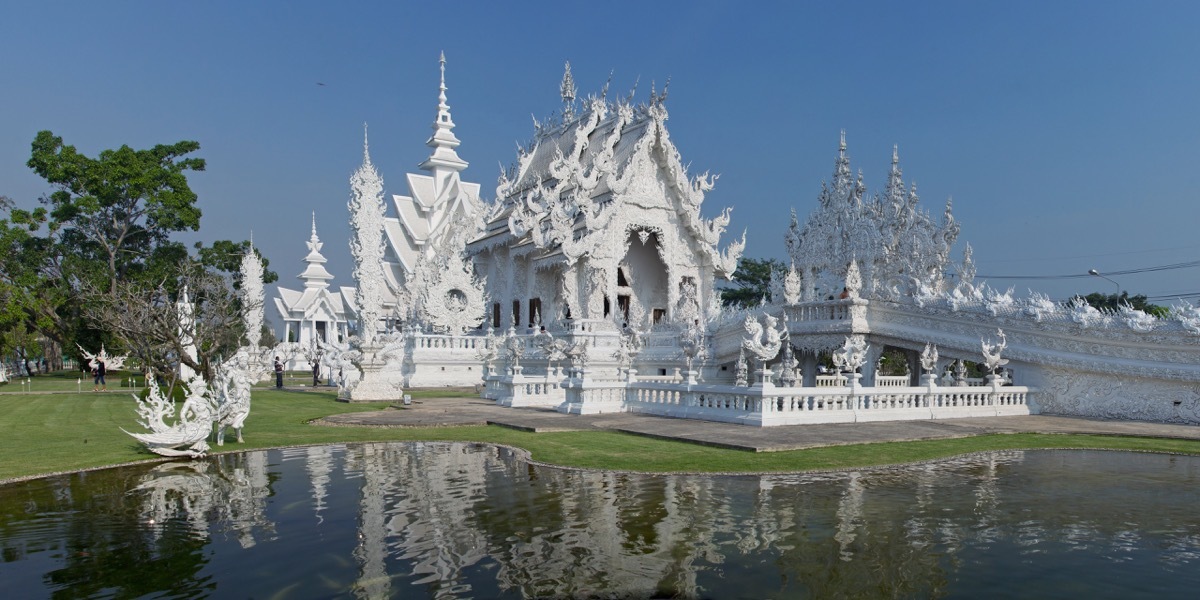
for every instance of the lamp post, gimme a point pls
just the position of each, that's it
(1097, 274)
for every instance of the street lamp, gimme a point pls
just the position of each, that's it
(1097, 274)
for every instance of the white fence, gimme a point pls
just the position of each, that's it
(760, 406)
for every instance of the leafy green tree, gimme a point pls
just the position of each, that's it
(752, 282)
(114, 214)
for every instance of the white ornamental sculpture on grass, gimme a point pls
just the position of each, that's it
(763, 341)
(233, 383)
(992, 350)
(111, 363)
(189, 435)
(367, 212)
(226, 406)
(252, 295)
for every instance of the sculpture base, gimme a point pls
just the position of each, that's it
(376, 386)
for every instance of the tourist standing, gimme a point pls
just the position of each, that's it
(278, 373)
(98, 383)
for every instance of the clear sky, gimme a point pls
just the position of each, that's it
(1066, 132)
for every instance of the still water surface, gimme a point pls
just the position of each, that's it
(464, 520)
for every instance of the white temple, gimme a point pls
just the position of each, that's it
(317, 313)
(591, 284)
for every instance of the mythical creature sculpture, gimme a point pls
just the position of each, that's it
(852, 355)
(189, 435)
(1087, 315)
(789, 371)
(233, 397)
(1137, 320)
(111, 363)
(1187, 315)
(577, 354)
(553, 350)
(762, 340)
(691, 342)
(997, 303)
(1039, 306)
(929, 358)
(741, 371)
(991, 352)
(340, 359)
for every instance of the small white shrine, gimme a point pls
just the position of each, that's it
(317, 313)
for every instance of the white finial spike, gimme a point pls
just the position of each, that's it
(252, 240)
(895, 154)
(314, 224)
(842, 144)
(366, 148)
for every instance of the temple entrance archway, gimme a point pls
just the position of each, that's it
(642, 276)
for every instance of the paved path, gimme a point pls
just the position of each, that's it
(447, 412)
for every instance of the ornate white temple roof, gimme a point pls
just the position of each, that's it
(436, 198)
(584, 168)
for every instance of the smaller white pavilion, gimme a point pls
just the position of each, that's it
(316, 313)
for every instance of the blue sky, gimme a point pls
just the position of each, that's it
(1066, 132)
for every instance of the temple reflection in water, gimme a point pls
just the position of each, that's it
(457, 520)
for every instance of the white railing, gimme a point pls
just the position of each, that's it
(832, 381)
(793, 406)
(892, 380)
(448, 342)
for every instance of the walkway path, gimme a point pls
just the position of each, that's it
(446, 412)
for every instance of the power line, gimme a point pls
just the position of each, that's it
(1170, 267)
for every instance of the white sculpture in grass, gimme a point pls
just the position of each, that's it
(233, 393)
(189, 435)
(111, 363)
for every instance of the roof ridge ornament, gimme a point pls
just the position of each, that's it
(568, 90)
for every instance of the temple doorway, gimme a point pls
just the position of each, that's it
(642, 277)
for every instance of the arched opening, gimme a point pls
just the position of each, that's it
(642, 276)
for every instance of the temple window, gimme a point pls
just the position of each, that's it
(496, 315)
(535, 311)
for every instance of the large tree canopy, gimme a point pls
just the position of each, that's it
(117, 209)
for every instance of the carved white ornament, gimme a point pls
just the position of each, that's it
(991, 352)
(189, 434)
(111, 363)
(367, 213)
(897, 245)
(762, 340)
(252, 296)
(929, 358)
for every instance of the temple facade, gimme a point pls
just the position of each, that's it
(598, 225)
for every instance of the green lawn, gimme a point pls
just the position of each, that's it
(47, 433)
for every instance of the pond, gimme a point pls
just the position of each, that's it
(450, 520)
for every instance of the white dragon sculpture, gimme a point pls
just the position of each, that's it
(189, 435)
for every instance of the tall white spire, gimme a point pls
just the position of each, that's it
(315, 275)
(568, 91)
(443, 141)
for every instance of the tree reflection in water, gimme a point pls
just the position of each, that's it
(455, 520)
